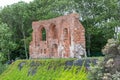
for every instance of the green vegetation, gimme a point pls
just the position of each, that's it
(6, 42)
(44, 69)
(43, 34)
(3, 67)
(107, 68)
(99, 17)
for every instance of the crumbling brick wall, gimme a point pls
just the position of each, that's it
(63, 37)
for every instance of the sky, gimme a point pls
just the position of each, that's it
(9, 2)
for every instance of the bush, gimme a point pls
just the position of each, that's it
(109, 68)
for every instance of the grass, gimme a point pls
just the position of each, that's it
(44, 69)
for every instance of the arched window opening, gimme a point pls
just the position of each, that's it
(43, 34)
(53, 31)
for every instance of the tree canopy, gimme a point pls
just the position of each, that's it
(99, 17)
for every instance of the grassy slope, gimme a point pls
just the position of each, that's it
(46, 69)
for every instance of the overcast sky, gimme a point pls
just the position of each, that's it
(9, 2)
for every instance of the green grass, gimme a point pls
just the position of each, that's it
(46, 69)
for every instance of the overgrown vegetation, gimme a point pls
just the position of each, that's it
(6, 42)
(3, 67)
(99, 17)
(109, 68)
(46, 69)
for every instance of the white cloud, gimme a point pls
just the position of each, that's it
(9, 2)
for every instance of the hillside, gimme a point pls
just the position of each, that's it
(46, 69)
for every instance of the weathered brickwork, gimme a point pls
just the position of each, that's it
(65, 37)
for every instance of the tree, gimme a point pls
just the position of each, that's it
(99, 17)
(19, 17)
(6, 43)
(18, 20)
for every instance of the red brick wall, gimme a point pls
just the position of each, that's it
(62, 34)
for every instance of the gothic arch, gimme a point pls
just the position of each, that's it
(53, 31)
(42, 34)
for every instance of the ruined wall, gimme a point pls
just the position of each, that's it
(65, 37)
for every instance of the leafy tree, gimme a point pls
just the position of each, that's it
(99, 17)
(19, 17)
(6, 43)
(18, 20)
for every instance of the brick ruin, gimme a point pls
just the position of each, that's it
(61, 37)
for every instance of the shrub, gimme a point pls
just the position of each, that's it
(109, 68)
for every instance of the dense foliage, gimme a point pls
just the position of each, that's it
(99, 17)
(6, 42)
(3, 67)
(51, 69)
